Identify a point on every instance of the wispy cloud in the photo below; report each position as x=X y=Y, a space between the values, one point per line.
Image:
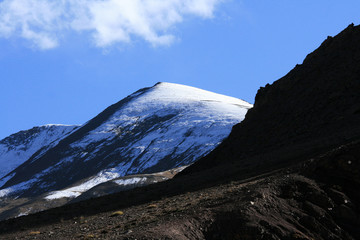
x=108 y=22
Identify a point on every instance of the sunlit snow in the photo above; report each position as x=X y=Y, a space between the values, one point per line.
x=130 y=181
x=202 y=120
x=77 y=190
x=100 y=178
x=167 y=122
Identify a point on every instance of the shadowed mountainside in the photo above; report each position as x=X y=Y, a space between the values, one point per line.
x=315 y=107
x=317 y=199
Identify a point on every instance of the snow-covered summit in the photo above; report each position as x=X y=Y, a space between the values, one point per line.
x=178 y=93
x=154 y=129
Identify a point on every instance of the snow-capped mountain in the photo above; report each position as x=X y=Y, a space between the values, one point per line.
x=152 y=130
x=19 y=147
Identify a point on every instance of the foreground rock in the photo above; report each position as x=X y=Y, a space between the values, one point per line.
x=10 y=208
x=291 y=203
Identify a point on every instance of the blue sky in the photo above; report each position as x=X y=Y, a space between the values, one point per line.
x=65 y=62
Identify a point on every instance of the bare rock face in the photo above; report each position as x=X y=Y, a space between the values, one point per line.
x=315 y=107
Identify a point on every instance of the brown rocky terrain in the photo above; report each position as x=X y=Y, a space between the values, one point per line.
x=290 y=170
x=317 y=199
x=10 y=207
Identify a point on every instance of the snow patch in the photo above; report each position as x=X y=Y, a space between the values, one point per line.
x=76 y=191
x=130 y=181
x=24 y=213
x=11 y=191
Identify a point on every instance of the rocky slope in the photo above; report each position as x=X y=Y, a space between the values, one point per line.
x=152 y=130
x=291 y=203
x=82 y=190
x=315 y=107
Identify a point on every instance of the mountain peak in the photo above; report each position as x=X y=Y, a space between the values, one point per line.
x=154 y=129
x=165 y=91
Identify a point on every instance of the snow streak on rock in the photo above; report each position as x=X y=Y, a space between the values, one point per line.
x=19 y=147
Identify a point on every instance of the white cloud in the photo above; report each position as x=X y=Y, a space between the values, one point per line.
x=108 y=22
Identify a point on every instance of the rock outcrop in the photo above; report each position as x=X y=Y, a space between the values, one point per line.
x=315 y=107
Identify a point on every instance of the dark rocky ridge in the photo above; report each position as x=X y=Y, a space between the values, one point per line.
x=315 y=107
